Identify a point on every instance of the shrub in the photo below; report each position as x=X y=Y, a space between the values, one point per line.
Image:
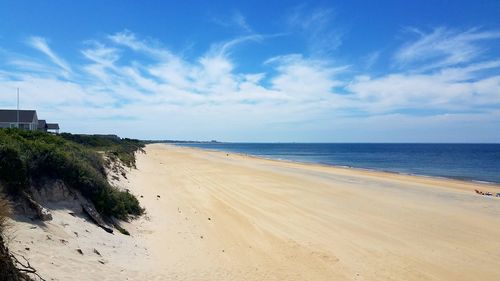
x=115 y=147
x=12 y=168
x=27 y=156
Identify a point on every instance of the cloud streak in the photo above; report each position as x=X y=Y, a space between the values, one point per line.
x=41 y=45
x=443 y=47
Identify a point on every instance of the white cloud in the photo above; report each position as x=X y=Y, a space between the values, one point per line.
x=444 y=47
x=101 y=54
x=41 y=44
x=396 y=92
x=222 y=49
x=128 y=39
x=305 y=79
x=206 y=97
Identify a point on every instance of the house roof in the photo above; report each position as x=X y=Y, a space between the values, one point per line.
x=42 y=124
x=10 y=115
x=52 y=126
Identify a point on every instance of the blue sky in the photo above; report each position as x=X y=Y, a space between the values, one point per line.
x=316 y=71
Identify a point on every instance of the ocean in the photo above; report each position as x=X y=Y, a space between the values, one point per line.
x=471 y=162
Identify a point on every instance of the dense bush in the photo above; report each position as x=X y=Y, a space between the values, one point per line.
x=27 y=156
x=12 y=168
x=115 y=147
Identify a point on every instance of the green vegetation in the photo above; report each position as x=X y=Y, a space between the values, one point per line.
x=113 y=146
x=29 y=157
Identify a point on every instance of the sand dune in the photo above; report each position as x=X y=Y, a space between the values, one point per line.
x=233 y=217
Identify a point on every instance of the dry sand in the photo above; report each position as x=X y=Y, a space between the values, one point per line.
x=233 y=217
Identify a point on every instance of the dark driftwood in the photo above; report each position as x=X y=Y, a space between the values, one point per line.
x=94 y=215
x=41 y=212
x=27 y=268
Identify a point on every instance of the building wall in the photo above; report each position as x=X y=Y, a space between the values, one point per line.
x=34 y=123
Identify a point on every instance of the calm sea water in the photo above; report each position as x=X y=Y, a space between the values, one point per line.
x=477 y=162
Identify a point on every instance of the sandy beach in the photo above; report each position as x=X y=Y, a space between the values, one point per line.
x=217 y=216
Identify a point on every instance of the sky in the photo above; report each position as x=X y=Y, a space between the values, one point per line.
x=257 y=71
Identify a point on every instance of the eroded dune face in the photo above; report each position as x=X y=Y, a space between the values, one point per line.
x=213 y=216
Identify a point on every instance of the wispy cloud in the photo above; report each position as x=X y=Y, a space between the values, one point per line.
x=235 y=20
x=241 y=21
x=41 y=44
x=223 y=48
x=443 y=47
x=317 y=25
x=371 y=59
x=128 y=39
x=101 y=54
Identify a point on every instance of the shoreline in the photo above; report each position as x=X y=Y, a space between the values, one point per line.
x=486 y=184
x=210 y=216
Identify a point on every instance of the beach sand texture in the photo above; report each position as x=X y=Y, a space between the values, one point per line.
x=234 y=217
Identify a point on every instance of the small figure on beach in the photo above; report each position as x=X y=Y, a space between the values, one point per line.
x=486 y=193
